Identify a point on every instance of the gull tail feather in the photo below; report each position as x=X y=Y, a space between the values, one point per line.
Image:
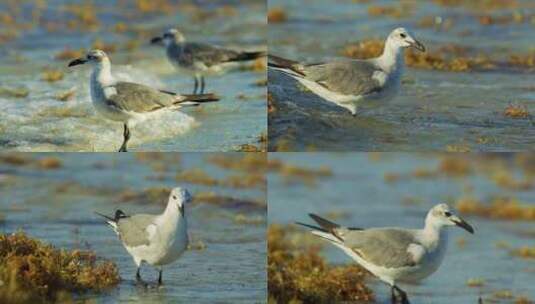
x=245 y=56
x=290 y=67
x=311 y=226
x=324 y=223
x=328 y=236
x=109 y=220
x=196 y=99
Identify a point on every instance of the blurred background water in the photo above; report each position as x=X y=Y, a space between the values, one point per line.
x=53 y=197
x=458 y=106
x=38 y=38
x=393 y=189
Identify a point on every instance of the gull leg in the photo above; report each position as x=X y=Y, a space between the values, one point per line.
x=202 y=84
x=196 y=85
x=393 y=301
x=138 y=275
x=160 y=277
x=404 y=299
x=126 y=135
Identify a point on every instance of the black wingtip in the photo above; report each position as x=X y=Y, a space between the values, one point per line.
x=324 y=223
x=105 y=216
x=311 y=227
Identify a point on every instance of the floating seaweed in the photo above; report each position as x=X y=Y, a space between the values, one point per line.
x=52 y=75
x=516 y=111
x=66 y=95
x=14 y=92
x=403 y=10
x=499 y=208
x=49 y=163
x=445 y=58
x=68 y=54
x=229 y=202
x=301 y=275
x=277 y=15
x=524 y=252
x=32 y=271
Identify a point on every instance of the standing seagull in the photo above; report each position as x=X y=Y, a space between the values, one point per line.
x=154 y=239
x=200 y=59
x=126 y=101
x=349 y=83
x=395 y=254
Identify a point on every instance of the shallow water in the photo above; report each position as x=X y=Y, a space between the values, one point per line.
x=39 y=122
x=358 y=196
x=57 y=206
x=435 y=110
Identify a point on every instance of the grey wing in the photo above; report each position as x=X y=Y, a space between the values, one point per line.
x=384 y=247
x=207 y=54
x=139 y=98
x=133 y=230
x=350 y=77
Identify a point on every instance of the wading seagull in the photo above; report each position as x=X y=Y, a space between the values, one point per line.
x=154 y=239
x=199 y=59
x=126 y=101
x=395 y=254
x=350 y=83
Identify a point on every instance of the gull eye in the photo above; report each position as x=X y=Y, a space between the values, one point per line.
x=174 y=196
x=447 y=214
x=402 y=35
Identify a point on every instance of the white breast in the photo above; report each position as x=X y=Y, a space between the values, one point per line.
x=99 y=96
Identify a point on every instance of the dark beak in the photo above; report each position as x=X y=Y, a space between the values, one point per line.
x=156 y=40
x=181 y=208
x=418 y=45
x=77 y=62
x=461 y=223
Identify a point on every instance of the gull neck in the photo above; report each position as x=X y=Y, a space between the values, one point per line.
x=102 y=72
x=392 y=57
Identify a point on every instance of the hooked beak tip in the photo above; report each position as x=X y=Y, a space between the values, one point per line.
x=418 y=45
x=461 y=223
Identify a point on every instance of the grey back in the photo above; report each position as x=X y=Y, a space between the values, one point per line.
x=349 y=77
x=190 y=52
x=139 y=98
x=133 y=230
x=383 y=246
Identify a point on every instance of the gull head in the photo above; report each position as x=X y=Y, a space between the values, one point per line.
x=94 y=57
x=442 y=215
x=170 y=36
x=402 y=38
x=180 y=197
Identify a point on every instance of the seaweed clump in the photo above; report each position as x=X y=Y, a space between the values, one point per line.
x=450 y=57
x=303 y=276
x=499 y=208
x=34 y=272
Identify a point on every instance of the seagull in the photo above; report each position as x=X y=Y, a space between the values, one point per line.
x=154 y=239
x=127 y=101
x=395 y=254
x=349 y=83
x=200 y=59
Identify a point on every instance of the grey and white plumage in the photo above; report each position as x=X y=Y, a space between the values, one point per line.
x=395 y=254
x=200 y=59
x=350 y=83
x=157 y=240
x=125 y=101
